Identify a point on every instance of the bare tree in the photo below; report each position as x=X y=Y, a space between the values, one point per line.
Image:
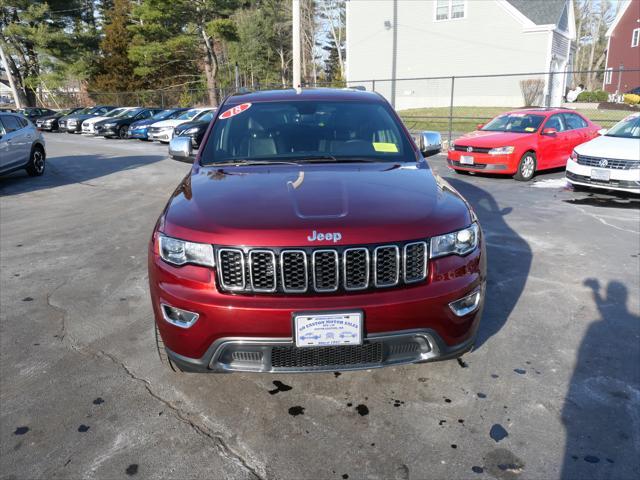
x=333 y=14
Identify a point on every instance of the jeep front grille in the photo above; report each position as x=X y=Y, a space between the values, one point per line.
x=321 y=270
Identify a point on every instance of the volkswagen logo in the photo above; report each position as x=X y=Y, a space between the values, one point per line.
x=469 y=149
x=603 y=163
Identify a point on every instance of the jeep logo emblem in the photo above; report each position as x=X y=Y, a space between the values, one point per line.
x=329 y=236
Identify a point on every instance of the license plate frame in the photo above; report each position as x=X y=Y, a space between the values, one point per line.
x=467 y=160
x=328 y=329
x=600 y=175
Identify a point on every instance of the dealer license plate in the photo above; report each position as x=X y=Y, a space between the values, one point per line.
x=466 y=160
x=600 y=175
x=320 y=330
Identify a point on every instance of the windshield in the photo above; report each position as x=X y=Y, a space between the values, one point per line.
x=129 y=113
x=188 y=115
x=164 y=114
x=83 y=111
x=514 y=123
x=115 y=112
x=307 y=130
x=207 y=117
x=627 y=128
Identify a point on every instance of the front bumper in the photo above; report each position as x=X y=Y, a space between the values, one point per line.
x=164 y=136
x=44 y=126
x=73 y=127
x=483 y=162
x=408 y=324
x=106 y=131
x=273 y=355
x=620 y=180
x=88 y=130
x=140 y=133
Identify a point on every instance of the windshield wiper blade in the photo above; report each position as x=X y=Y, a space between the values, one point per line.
x=331 y=158
x=246 y=161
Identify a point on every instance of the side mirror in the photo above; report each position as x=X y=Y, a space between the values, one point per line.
x=479 y=126
x=602 y=131
x=430 y=143
x=550 y=132
x=180 y=148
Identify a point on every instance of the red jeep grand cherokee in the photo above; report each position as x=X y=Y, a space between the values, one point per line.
x=311 y=235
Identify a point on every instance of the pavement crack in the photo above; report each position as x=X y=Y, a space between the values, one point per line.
x=62 y=333
x=220 y=443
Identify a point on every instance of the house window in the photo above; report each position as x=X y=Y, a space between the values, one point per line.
x=450 y=9
x=607 y=76
x=635 y=37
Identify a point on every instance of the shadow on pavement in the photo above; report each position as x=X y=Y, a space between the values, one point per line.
x=65 y=170
x=508 y=259
x=601 y=413
x=606 y=199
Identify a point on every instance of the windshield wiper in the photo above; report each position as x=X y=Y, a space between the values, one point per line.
x=246 y=161
x=330 y=158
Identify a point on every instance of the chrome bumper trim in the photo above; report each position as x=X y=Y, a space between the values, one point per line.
x=254 y=354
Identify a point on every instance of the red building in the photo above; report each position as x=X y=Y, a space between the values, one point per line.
x=623 y=49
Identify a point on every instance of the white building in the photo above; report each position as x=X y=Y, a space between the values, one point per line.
x=410 y=39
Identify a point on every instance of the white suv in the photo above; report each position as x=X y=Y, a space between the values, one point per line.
x=610 y=162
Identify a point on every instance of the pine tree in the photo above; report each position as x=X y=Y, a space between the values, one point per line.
x=115 y=72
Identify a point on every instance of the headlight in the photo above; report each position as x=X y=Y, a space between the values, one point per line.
x=501 y=151
x=189 y=131
x=455 y=243
x=180 y=252
x=452 y=146
x=574 y=155
x=48 y=122
x=109 y=125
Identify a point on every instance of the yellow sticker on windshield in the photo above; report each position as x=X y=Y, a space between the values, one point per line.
x=385 y=147
x=529 y=129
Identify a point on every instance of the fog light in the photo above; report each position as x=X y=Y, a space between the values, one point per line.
x=177 y=316
x=467 y=304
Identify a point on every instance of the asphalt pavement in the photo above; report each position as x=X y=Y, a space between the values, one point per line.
x=552 y=389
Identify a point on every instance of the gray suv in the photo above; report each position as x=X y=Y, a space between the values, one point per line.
x=21 y=145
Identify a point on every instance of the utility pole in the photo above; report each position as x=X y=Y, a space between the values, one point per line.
x=12 y=83
x=295 y=17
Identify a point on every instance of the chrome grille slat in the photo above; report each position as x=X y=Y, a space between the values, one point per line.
x=232 y=277
x=414 y=259
x=321 y=270
x=262 y=271
x=294 y=273
x=612 y=163
x=386 y=266
x=355 y=268
x=325 y=270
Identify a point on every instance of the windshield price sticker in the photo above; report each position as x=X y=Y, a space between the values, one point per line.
x=233 y=111
x=328 y=329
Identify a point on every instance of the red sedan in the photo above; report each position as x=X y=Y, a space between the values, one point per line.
x=522 y=142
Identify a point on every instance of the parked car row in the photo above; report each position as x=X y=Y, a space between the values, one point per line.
x=154 y=124
x=523 y=142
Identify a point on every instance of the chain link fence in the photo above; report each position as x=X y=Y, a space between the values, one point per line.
x=451 y=105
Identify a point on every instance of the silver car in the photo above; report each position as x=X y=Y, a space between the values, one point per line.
x=21 y=145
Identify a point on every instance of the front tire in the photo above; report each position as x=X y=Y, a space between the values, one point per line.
x=37 y=162
x=122 y=132
x=526 y=167
x=162 y=352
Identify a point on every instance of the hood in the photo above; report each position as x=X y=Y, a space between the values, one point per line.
x=50 y=117
x=187 y=125
x=168 y=123
x=144 y=123
x=611 y=147
x=283 y=205
x=95 y=119
x=480 y=138
x=84 y=116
